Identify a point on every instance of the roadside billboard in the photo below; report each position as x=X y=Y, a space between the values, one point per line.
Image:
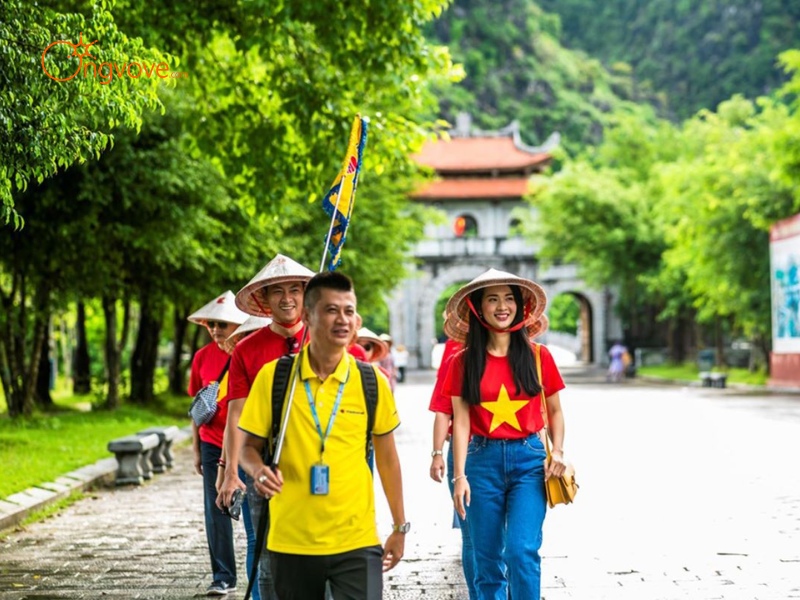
x=784 y=250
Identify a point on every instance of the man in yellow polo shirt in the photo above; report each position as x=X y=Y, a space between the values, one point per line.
x=323 y=507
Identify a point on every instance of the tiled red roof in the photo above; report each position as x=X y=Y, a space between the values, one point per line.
x=478 y=154
x=515 y=187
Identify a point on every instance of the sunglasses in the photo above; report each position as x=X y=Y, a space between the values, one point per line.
x=368 y=346
x=217 y=324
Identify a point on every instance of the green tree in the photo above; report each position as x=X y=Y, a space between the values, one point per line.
x=720 y=199
x=46 y=125
x=564 y=313
x=517 y=69
x=697 y=54
x=250 y=143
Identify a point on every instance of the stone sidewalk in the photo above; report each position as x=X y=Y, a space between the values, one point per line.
x=682 y=531
x=149 y=542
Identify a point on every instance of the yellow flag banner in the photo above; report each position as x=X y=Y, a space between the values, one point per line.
x=338 y=202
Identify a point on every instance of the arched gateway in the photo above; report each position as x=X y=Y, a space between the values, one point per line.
x=482 y=178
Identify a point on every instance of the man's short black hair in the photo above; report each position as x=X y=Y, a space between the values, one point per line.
x=330 y=280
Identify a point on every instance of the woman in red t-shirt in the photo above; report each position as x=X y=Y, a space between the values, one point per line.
x=499 y=472
x=220 y=317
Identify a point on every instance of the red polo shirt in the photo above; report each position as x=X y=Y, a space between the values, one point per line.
x=252 y=353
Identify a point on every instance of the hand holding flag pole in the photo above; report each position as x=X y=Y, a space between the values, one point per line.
x=338 y=203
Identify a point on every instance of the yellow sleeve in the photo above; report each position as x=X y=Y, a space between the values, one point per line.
x=386 y=417
x=256 y=417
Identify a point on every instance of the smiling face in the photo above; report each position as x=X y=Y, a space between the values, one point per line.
x=285 y=300
x=332 y=320
x=499 y=307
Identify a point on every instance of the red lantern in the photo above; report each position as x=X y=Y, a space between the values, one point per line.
x=460 y=226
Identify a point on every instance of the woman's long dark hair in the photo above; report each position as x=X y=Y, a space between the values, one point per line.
x=520 y=355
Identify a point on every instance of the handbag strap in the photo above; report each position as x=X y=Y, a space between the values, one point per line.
x=537 y=352
x=224 y=370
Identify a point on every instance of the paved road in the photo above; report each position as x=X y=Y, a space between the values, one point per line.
x=685 y=493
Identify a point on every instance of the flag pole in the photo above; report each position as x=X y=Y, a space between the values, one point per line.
x=296 y=371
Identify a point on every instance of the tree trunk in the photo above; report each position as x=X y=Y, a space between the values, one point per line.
x=145 y=353
x=81 y=367
x=198 y=333
x=43 y=398
x=719 y=342
x=31 y=374
x=112 y=353
x=19 y=352
x=177 y=384
x=8 y=375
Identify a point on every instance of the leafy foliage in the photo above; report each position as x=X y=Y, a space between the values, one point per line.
x=678 y=217
x=564 y=313
x=517 y=69
x=47 y=125
x=697 y=53
x=198 y=199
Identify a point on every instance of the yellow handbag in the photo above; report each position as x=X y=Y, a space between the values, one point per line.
x=560 y=490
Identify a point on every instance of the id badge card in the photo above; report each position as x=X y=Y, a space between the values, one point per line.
x=320 y=480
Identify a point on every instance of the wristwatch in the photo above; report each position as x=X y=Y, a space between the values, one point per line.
x=404 y=528
x=436 y=453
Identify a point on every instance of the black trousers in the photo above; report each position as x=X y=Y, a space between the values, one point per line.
x=354 y=575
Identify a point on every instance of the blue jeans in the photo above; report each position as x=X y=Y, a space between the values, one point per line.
x=506 y=511
x=250 y=530
x=467 y=556
x=219 y=531
x=266 y=584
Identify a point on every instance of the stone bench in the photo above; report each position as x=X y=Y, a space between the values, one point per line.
x=161 y=457
x=713 y=379
x=133 y=457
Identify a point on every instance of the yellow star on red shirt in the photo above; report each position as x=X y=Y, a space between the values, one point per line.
x=504 y=410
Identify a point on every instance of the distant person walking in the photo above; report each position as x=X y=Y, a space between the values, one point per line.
x=210 y=363
x=499 y=459
x=619 y=359
x=387 y=362
x=400 y=362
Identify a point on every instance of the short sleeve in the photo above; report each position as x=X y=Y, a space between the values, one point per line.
x=553 y=382
x=441 y=402
x=195 y=381
x=239 y=382
x=256 y=417
x=386 y=417
x=455 y=377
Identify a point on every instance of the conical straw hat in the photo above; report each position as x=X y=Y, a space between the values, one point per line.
x=221 y=308
x=251 y=298
x=534 y=301
x=380 y=349
x=251 y=324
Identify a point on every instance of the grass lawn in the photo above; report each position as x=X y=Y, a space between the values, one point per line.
x=46 y=446
x=690 y=372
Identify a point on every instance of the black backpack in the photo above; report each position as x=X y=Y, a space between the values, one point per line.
x=280 y=382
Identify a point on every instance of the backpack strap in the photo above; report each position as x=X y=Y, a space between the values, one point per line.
x=369 y=383
x=280 y=381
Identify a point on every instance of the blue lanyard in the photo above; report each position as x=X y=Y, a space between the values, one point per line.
x=332 y=418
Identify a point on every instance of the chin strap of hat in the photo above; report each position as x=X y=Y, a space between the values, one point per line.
x=286 y=325
x=264 y=311
x=516 y=327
